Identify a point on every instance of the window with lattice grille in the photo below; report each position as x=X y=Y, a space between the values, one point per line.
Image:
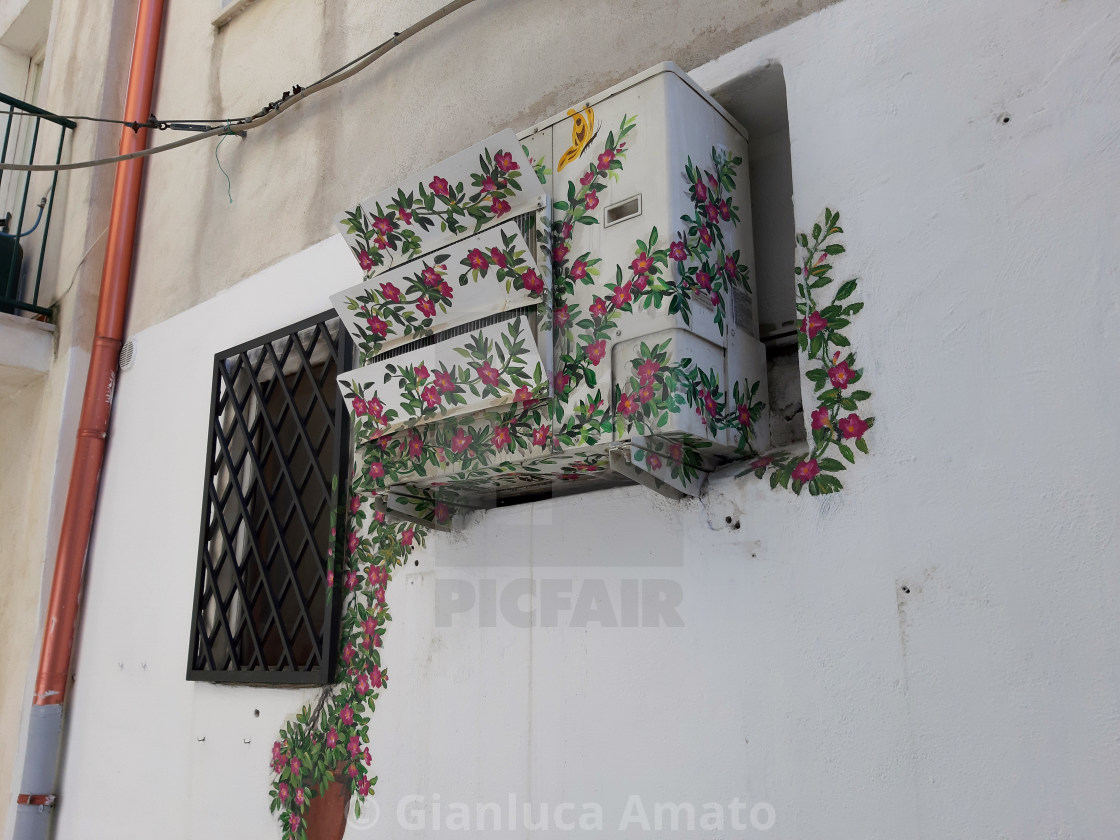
x=276 y=476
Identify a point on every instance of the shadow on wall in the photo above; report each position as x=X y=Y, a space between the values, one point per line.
x=758 y=101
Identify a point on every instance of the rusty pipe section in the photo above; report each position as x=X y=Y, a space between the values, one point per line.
x=42 y=762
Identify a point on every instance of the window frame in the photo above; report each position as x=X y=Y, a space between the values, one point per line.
x=327 y=634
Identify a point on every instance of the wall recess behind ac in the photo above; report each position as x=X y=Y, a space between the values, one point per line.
x=758 y=100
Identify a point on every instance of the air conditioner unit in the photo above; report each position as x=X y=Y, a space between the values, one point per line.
x=559 y=311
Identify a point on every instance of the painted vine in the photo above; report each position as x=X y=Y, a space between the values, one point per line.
x=837 y=423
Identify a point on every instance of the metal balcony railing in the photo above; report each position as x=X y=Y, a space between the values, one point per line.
x=31 y=135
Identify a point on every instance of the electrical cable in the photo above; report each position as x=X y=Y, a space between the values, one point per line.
x=266 y=114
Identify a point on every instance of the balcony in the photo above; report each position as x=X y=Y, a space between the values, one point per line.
x=27 y=199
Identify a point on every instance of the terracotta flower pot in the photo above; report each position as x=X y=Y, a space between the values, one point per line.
x=325 y=817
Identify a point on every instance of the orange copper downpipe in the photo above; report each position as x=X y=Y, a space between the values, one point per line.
x=93 y=425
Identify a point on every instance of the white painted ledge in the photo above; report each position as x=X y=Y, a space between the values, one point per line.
x=26 y=349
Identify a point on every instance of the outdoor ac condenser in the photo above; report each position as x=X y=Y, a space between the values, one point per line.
x=559 y=311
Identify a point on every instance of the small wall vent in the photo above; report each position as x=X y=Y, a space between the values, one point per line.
x=125 y=360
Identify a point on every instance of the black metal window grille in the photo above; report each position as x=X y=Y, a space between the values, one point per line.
x=277 y=468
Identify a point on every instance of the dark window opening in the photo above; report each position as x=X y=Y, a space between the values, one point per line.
x=277 y=468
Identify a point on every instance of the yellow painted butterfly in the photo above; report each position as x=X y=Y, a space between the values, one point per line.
x=583 y=132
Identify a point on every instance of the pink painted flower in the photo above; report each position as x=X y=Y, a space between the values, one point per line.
x=645 y=394
x=559 y=252
x=438 y=185
x=369 y=626
x=712 y=212
x=621 y=296
x=533 y=282
x=641 y=264
x=421 y=372
x=377 y=326
x=724 y=211
x=478 y=260
x=294 y=823
x=605 y=160
x=299 y=798
x=296 y=768
x=647 y=370
x=415 y=446
x=588 y=176
x=382 y=224
x=628 y=403
x=376 y=677
x=390 y=292
x=355 y=503
x=841 y=375
x=540 y=435
x=561 y=380
x=705 y=235
x=501 y=438
x=488 y=374
x=405 y=216
x=760 y=463
x=359 y=407
x=806 y=470
x=591 y=200
x=363 y=787
x=346 y=715
x=504 y=161
x=561 y=315
x=731 y=268
x=330 y=574
x=853 y=426
x=350 y=581
x=488 y=185
x=744 y=412
x=566 y=231
x=578 y=270
x=441 y=512
x=379 y=517
x=406 y=537
x=821 y=419
x=598 y=308
x=443 y=380
x=375 y=408
x=640 y=282
x=377 y=470
x=446 y=290
x=522 y=394
x=426 y=307
x=701 y=192
x=348 y=653
x=365 y=260
x=596 y=350
x=285 y=791
x=704 y=280
x=499 y=207
x=460 y=441
x=653 y=462
x=362 y=685
x=354 y=745
x=498 y=257
x=813 y=324
x=352 y=540
x=678 y=251
x=332 y=738
x=431 y=397
x=353 y=771
x=676 y=453
x=431 y=276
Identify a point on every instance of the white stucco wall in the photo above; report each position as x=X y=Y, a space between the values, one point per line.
x=933 y=653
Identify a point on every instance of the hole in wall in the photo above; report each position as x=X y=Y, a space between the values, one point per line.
x=758 y=100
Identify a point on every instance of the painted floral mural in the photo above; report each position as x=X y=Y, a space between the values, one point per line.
x=420 y=453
